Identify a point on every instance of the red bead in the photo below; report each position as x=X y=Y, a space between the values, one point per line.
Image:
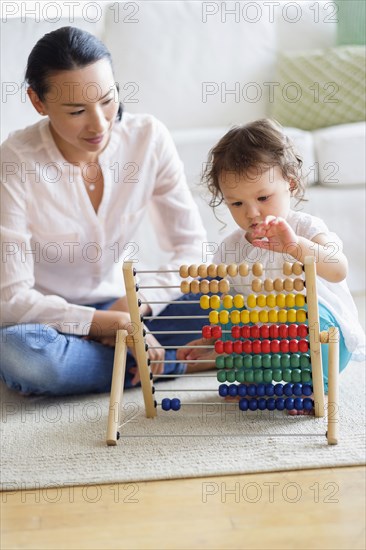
x=228 y=346
x=273 y=331
x=266 y=346
x=256 y=346
x=235 y=332
x=282 y=331
x=292 y=331
x=275 y=346
x=245 y=331
x=293 y=346
x=238 y=346
x=303 y=346
x=216 y=331
x=302 y=331
x=219 y=346
x=206 y=331
x=254 y=331
x=264 y=330
x=247 y=346
x=284 y=346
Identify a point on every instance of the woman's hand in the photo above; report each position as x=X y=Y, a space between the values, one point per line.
x=185 y=355
x=274 y=234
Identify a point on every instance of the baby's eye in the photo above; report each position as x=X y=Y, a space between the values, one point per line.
x=236 y=204
x=263 y=199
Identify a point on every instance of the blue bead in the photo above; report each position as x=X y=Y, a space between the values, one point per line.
x=308 y=404
x=269 y=390
x=253 y=405
x=165 y=404
x=287 y=389
x=289 y=403
x=297 y=389
x=307 y=389
x=252 y=390
x=233 y=390
x=261 y=390
x=271 y=404
x=262 y=404
x=298 y=404
x=280 y=404
x=175 y=404
x=243 y=404
x=223 y=390
x=242 y=390
x=278 y=389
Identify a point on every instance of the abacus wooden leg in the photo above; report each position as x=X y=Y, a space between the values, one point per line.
x=333 y=388
x=118 y=376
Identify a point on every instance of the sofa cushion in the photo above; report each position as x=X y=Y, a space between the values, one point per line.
x=320 y=88
x=340 y=154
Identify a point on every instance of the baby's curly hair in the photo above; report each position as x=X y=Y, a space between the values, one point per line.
x=258 y=145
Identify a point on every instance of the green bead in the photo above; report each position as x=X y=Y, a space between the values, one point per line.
x=238 y=361
x=285 y=361
x=229 y=362
x=304 y=360
x=277 y=375
x=267 y=375
x=258 y=376
x=306 y=376
x=249 y=375
x=230 y=376
x=257 y=361
x=286 y=375
x=266 y=361
x=276 y=361
x=221 y=376
x=240 y=376
x=296 y=375
x=220 y=362
x=248 y=360
x=295 y=361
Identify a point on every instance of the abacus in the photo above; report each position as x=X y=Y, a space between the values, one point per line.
x=270 y=359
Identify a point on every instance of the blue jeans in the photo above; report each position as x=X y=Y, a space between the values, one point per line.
x=37 y=359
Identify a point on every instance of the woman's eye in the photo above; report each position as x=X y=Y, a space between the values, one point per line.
x=77 y=112
x=108 y=101
x=262 y=199
x=238 y=203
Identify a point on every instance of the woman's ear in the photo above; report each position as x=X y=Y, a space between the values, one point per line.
x=36 y=102
x=292 y=187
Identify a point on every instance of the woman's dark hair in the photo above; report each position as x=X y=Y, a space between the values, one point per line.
x=257 y=146
x=64 y=49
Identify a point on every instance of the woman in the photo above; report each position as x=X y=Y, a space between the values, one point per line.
x=75 y=188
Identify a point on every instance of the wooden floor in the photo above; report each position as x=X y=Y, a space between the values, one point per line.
x=281 y=510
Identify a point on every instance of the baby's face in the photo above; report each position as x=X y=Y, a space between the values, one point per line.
x=253 y=196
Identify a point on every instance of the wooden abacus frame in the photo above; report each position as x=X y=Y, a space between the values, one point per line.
x=316 y=338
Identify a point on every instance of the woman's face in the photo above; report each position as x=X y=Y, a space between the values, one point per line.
x=82 y=106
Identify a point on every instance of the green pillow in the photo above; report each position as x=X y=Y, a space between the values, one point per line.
x=351 y=22
x=319 y=88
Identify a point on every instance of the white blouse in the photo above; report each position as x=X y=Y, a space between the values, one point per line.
x=58 y=254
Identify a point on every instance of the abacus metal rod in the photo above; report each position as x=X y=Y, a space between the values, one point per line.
x=180 y=347
x=180 y=390
x=150 y=317
x=173 y=302
x=177 y=270
x=233 y=285
x=157 y=376
x=181 y=332
x=175 y=361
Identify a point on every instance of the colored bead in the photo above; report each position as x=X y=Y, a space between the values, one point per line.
x=307 y=389
x=202 y=271
x=256 y=285
x=291 y=316
x=220 y=362
x=292 y=331
x=193 y=270
x=261 y=390
x=224 y=286
x=224 y=317
x=266 y=361
x=278 y=285
x=248 y=360
x=233 y=390
x=264 y=331
x=286 y=375
x=215 y=302
x=249 y=375
x=272 y=316
x=254 y=317
x=266 y=346
x=297 y=389
x=295 y=361
x=228 y=346
x=304 y=360
x=256 y=346
x=232 y=270
x=261 y=300
x=251 y=301
x=258 y=376
x=235 y=317
x=240 y=377
x=204 y=286
x=271 y=404
x=308 y=404
x=303 y=345
x=214 y=286
x=223 y=390
x=287 y=268
x=297 y=268
x=301 y=316
x=298 y=285
x=238 y=301
x=298 y=404
x=287 y=389
x=280 y=404
x=205 y=302
x=253 y=404
x=254 y=331
x=262 y=404
x=267 y=375
x=290 y=300
x=302 y=331
x=288 y=285
x=282 y=331
x=221 y=376
x=195 y=286
x=185 y=287
x=296 y=375
x=245 y=332
x=183 y=271
x=165 y=404
x=247 y=346
x=228 y=301
x=278 y=389
x=212 y=270
x=306 y=376
x=289 y=403
x=213 y=317
x=263 y=316
x=257 y=269
x=243 y=404
x=276 y=361
x=257 y=361
x=238 y=362
x=216 y=331
x=175 y=404
x=221 y=270
x=230 y=376
x=206 y=331
x=252 y=390
x=235 y=332
x=282 y=316
x=238 y=346
x=284 y=346
x=244 y=316
x=275 y=346
x=229 y=362
x=293 y=346
x=242 y=390
x=274 y=331
x=280 y=300
x=243 y=269
x=268 y=285
x=269 y=389
x=219 y=346
x=285 y=360
x=271 y=300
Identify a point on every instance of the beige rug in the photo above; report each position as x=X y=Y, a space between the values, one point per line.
x=61 y=441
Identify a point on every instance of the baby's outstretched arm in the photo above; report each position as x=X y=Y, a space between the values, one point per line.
x=277 y=235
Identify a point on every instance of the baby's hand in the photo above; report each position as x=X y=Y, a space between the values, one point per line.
x=274 y=234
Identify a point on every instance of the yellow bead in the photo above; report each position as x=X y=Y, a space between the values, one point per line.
x=282 y=316
x=272 y=316
x=301 y=316
x=290 y=300
x=291 y=315
x=224 y=317
x=235 y=317
x=213 y=317
x=254 y=317
x=251 y=301
x=215 y=302
x=205 y=302
x=271 y=300
x=299 y=300
x=261 y=300
x=239 y=301
x=244 y=317
x=281 y=300
x=228 y=301
x=263 y=316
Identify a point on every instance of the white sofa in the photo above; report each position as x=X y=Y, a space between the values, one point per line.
x=201 y=67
